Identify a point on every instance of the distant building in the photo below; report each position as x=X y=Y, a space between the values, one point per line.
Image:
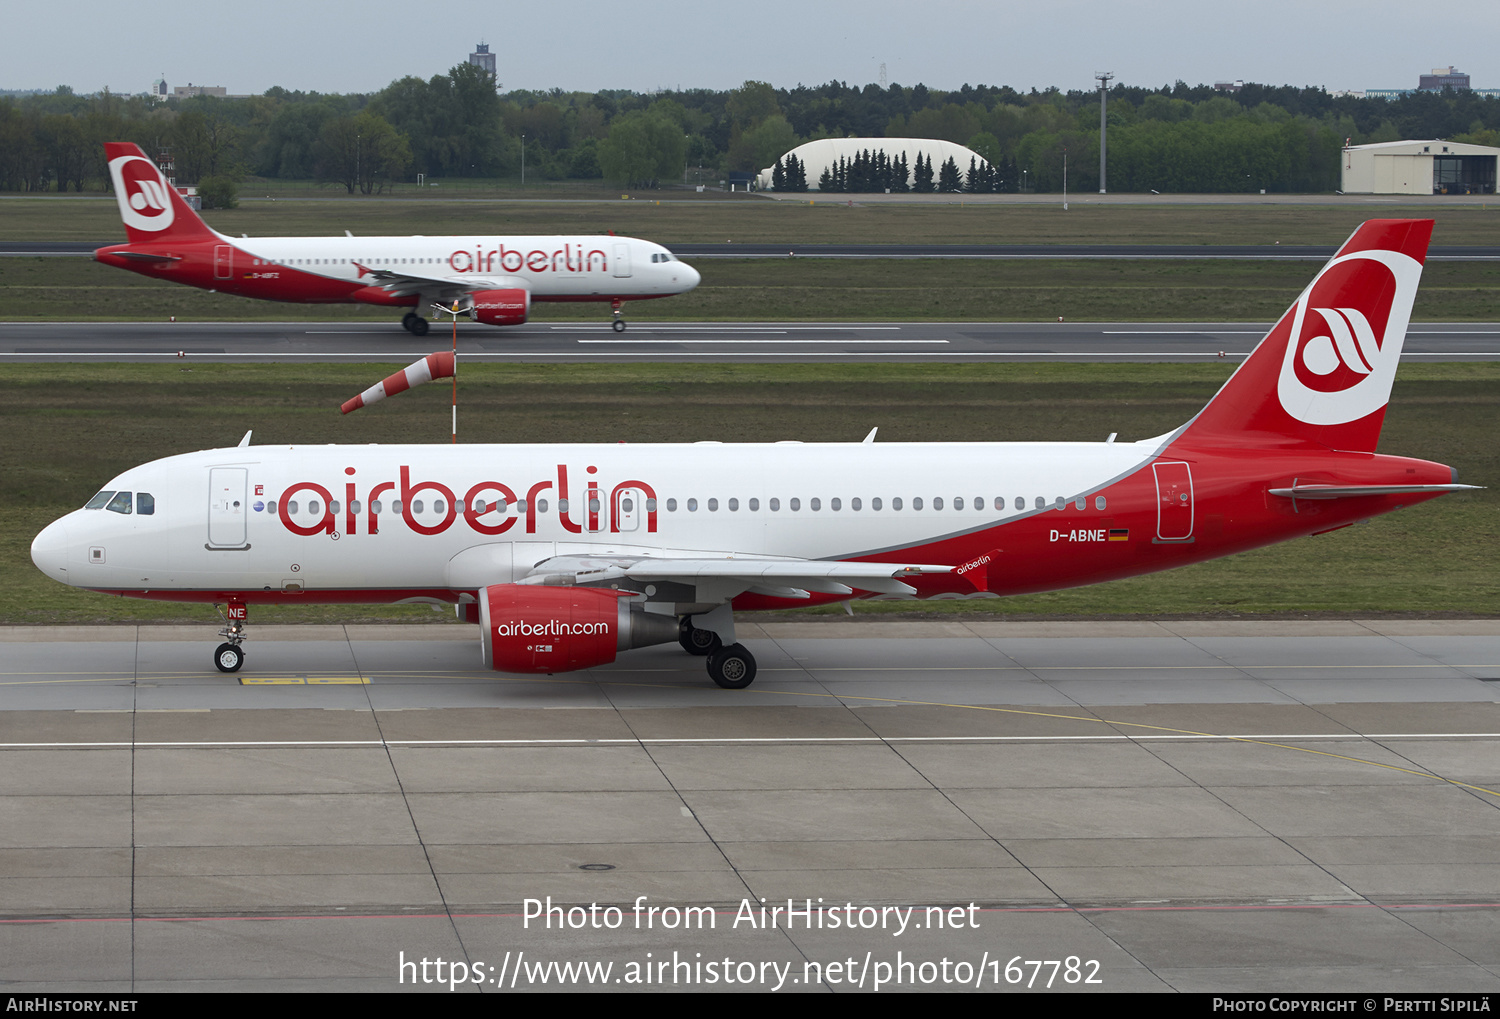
x=159 y=90
x=1426 y=167
x=185 y=91
x=824 y=153
x=1441 y=78
x=483 y=59
x=1229 y=86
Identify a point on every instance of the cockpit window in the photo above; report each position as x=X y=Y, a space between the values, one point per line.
x=145 y=503
x=98 y=501
x=120 y=503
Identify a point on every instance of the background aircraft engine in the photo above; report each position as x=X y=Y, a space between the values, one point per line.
x=507 y=307
x=560 y=629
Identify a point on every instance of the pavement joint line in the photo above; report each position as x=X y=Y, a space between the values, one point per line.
x=854 y=668
x=631 y=741
x=727 y=910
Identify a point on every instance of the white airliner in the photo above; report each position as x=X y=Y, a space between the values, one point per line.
x=567 y=554
x=492 y=279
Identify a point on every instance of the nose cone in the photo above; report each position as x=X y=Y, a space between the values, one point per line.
x=687 y=277
x=49 y=550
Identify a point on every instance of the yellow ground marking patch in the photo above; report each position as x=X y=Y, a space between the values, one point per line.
x=303 y=681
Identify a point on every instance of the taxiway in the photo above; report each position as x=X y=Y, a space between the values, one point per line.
x=1204 y=806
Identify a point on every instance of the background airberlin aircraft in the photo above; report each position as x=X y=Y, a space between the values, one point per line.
x=567 y=554
x=494 y=279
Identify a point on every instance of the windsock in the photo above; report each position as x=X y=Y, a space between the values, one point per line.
x=433 y=366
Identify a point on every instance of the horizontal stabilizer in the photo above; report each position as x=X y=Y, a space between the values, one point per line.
x=145 y=256
x=1355 y=491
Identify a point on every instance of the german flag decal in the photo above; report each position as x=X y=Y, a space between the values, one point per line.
x=1119 y=534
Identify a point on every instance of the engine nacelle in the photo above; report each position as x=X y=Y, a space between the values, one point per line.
x=528 y=628
x=507 y=307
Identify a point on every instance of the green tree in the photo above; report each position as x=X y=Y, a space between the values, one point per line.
x=644 y=147
x=218 y=193
x=363 y=152
x=949 y=177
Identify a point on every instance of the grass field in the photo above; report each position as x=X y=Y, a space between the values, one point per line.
x=67 y=429
x=843 y=290
x=682 y=217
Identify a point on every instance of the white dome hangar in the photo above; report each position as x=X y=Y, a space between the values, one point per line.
x=825 y=153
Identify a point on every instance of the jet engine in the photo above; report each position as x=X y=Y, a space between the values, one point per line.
x=507 y=307
x=530 y=628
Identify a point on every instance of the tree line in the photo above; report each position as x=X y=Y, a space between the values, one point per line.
x=456 y=125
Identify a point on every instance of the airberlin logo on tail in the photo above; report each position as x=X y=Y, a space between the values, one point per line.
x=145 y=202
x=1347 y=331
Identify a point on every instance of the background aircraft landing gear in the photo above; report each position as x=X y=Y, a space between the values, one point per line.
x=414 y=324
x=618 y=325
x=732 y=667
x=228 y=656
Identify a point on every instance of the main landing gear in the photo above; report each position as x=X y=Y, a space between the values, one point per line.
x=731 y=667
x=414 y=323
x=228 y=657
x=618 y=325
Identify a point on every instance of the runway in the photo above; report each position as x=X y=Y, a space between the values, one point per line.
x=1199 y=806
x=693 y=249
x=693 y=341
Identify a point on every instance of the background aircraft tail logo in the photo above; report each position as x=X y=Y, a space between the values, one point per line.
x=144 y=198
x=1347 y=332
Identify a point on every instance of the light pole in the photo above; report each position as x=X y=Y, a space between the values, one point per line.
x=523 y=159
x=1104 y=77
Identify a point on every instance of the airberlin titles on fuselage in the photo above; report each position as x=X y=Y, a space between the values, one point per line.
x=572 y=258
x=482 y=499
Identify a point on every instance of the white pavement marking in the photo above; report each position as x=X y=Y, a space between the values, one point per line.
x=742 y=341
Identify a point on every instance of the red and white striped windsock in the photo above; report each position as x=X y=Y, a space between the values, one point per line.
x=433 y=366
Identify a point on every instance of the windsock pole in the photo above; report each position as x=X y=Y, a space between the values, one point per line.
x=455 y=373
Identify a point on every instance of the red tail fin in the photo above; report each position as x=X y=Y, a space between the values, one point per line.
x=1323 y=374
x=152 y=209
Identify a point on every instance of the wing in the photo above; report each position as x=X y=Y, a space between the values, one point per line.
x=406 y=283
x=714 y=581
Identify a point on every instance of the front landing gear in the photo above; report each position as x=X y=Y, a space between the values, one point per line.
x=618 y=325
x=228 y=657
x=414 y=323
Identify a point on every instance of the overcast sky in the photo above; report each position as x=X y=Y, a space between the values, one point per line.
x=590 y=45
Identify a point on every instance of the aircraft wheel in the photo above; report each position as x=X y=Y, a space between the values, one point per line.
x=733 y=667
x=618 y=325
x=418 y=326
x=697 y=642
x=229 y=658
